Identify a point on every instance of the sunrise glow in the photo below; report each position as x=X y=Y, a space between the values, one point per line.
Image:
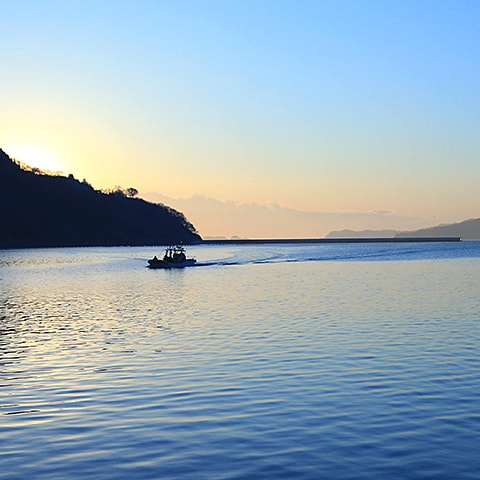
x=36 y=156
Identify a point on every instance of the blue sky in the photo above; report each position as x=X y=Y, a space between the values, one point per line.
x=336 y=107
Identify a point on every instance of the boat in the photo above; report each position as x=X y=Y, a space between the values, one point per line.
x=175 y=257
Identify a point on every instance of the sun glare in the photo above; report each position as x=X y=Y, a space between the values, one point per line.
x=35 y=156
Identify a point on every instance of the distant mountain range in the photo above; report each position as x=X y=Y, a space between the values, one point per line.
x=468 y=230
x=41 y=210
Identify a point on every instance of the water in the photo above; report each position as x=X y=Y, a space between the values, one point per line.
x=265 y=361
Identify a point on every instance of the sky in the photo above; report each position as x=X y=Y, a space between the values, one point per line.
x=254 y=118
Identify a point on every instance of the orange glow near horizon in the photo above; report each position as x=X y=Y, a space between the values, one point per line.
x=35 y=156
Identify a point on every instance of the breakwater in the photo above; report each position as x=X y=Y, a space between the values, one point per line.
x=245 y=241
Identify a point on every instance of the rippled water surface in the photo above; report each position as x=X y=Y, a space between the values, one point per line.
x=265 y=361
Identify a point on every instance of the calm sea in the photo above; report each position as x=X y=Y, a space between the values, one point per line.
x=264 y=362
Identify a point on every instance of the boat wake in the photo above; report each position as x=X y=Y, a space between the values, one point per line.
x=219 y=256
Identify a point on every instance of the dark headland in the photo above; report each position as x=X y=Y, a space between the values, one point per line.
x=43 y=210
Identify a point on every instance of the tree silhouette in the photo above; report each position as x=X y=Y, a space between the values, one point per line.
x=131 y=192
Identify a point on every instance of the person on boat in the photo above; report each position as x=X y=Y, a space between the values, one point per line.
x=179 y=256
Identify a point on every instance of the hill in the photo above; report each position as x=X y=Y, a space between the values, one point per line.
x=468 y=230
x=40 y=210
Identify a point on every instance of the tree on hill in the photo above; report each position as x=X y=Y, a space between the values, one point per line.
x=132 y=192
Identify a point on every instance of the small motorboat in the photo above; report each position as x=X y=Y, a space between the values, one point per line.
x=175 y=257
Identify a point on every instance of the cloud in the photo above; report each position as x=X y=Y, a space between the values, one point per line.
x=216 y=218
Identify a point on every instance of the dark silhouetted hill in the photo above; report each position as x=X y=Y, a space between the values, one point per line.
x=40 y=210
x=468 y=230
